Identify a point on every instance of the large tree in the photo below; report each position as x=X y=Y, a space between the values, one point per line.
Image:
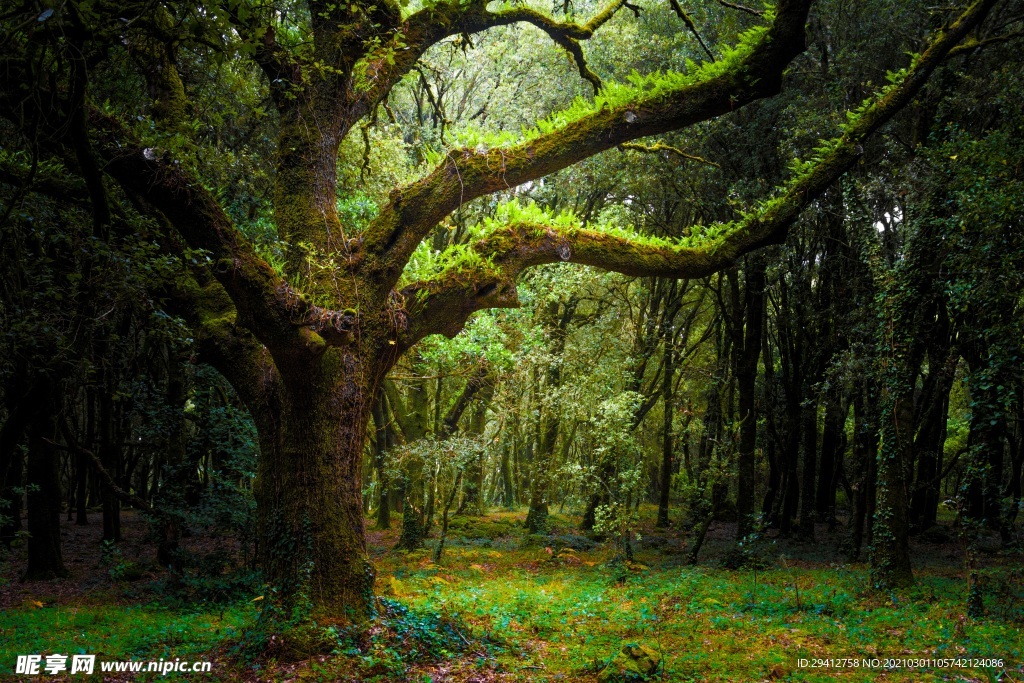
x=308 y=341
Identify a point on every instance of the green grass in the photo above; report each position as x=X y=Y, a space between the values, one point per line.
x=117 y=632
x=569 y=613
x=529 y=611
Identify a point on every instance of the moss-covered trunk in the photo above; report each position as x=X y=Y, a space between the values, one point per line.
x=309 y=502
x=890 y=557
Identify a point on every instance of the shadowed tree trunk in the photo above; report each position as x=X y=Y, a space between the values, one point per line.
x=746 y=379
x=831 y=443
x=931 y=437
x=12 y=466
x=537 y=517
x=380 y=446
x=865 y=447
x=44 y=553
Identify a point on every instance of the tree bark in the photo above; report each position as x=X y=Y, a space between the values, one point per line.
x=668 y=374
x=44 y=552
x=890 y=558
x=746 y=379
x=308 y=496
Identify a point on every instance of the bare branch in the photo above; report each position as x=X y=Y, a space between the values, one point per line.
x=748 y=10
x=658 y=148
x=678 y=9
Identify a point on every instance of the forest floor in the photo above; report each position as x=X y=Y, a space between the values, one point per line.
x=501 y=606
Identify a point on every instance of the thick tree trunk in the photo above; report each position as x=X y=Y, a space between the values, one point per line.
x=309 y=502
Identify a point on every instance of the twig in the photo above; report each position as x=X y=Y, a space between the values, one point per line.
x=678 y=9
x=748 y=10
x=659 y=147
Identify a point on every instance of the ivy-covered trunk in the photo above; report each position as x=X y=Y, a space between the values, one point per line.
x=890 y=555
x=309 y=502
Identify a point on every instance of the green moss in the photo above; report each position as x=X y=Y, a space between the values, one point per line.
x=638 y=90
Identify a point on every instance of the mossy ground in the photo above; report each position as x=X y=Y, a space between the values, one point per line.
x=503 y=607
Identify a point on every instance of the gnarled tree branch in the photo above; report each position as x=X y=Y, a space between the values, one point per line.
x=441 y=306
x=429 y=26
x=466 y=174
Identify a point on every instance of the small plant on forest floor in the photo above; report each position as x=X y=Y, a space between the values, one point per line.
x=121 y=568
x=752 y=552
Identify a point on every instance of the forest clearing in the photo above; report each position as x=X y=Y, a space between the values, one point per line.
x=503 y=606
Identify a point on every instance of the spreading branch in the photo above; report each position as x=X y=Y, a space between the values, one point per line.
x=972 y=45
x=442 y=305
x=429 y=26
x=266 y=303
x=466 y=174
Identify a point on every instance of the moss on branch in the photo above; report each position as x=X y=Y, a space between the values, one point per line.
x=530 y=237
x=647 y=105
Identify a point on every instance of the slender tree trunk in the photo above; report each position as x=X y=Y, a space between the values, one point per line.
x=413 y=419
x=1016 y=443
x=379 y=447
x=809 y=450
x=44 y=553
x=667 y=377
x=746 y=378
x=12 y=465
x=536 y=518
x=791 y=483
x=865 y=440
x=110 y=454
x=507 y=483
x=987 y=435
x=831 y=442
x=928 y=445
